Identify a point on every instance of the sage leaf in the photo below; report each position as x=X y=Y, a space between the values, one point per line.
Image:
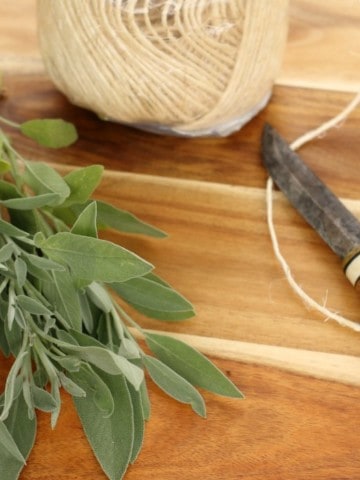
x=139 y=422
x=117 y=219
x=43 y=263
x=32 y=305
x=31 y=203
x=21 y=427
x=69 y=363
x=8 y=190
x=10 y=385
x=50 y=133
x=90 y=380
x=100 y=297
x=113 y=364
x=55 y=392
x=61 y=293
x=82 y=183
x=111 y=438
x=86 y=222
x=14 y=337
x=24 y=220
x=6 y=252
x=174 y=385
x=92 y=258
x=154 y=299
x=44 y=179
x=20 y=271
x=107 y=360
x=70 y=386
x=43 y=400
x=145 y=401
x=191 y=365
x=4 y=166
x=7 y=228
x=4 y=344
x=11 y=459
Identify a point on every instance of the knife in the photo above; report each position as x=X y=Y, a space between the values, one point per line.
x=335 y=224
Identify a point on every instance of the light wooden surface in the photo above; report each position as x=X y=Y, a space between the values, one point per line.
x=300 y=373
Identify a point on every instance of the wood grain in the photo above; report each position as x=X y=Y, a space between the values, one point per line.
x=324 y=45
x=208 y=194
x=288 y=427
x=234 y=160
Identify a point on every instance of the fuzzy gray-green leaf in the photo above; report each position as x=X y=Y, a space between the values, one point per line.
x=154 y=299
x=82 y=182
x=7 y=228
x=191 y=364
x=50 y=133
x=174 y=385
x=62 y=294
x=11 y=459
x=43 y=400
x=92 y=258
x=86 y=222
x=112 y=217
x=44 y=179
x=21 y=427
x=32 y=305
x=30 y=203
x=110 y=438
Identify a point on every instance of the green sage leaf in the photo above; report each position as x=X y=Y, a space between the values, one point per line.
x=43 y=262
x=6 y=252
x=82 y=183
x=62 y=294
x=70 y=386
x=11 y=459
x=139 y=423
x=100 y=297
x=92 y=258
x=21 y=427
x=20 y=271
x=174 y=385
x=10 y=385
x=89 y=379
x=43 y=400
x=50 y=133
x=31 y=203
x=32 y=305
x=8 y=190
x=110 y=438
x=7 y=228
x=86 y=222
x=102 y=358
x=44 y=179
x=4 y=166
x=145 y=401
x=117 y=219
x=191 y=365
x=154 y=299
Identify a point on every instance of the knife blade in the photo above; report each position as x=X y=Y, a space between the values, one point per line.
x=318 y=205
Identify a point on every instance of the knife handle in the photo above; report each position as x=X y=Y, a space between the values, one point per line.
x=351 y=266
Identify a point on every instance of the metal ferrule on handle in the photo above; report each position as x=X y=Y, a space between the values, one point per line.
x=351 y=266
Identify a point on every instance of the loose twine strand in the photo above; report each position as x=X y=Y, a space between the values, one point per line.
x=307 y=137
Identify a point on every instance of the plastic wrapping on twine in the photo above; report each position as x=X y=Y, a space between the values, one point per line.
x=184 y=67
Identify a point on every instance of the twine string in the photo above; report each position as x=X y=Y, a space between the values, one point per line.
x=190 y=65
x=308 y=300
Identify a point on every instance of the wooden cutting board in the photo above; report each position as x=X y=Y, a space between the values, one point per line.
x=300 y=374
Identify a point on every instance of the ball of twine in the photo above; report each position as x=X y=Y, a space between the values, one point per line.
x=187 y=65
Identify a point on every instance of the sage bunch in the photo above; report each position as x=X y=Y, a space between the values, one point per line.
x=61 y=322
